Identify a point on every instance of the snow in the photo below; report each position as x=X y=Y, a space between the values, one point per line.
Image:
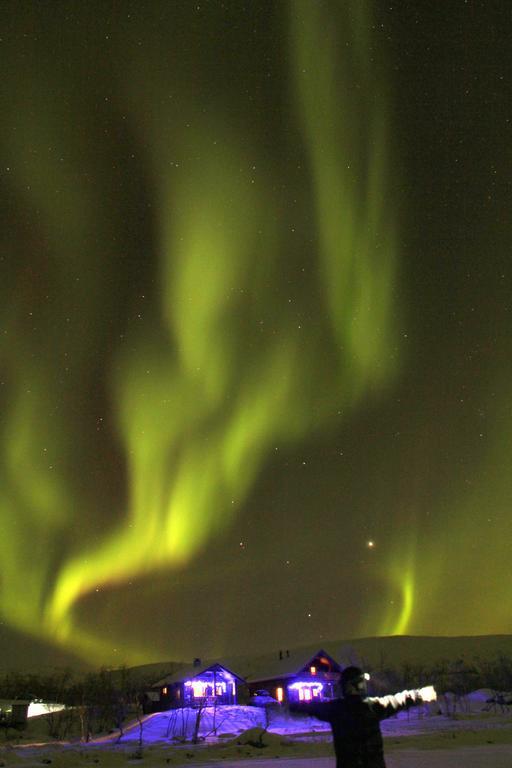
x=180 y=723
x=36 y=708
x=221 y=721
x=230 y=736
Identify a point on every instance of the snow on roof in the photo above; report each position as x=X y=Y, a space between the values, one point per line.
x=193 y=670
x=254 y=669
x=271 y=666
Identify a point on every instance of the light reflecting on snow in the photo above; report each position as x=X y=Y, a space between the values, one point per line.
x=37 y=708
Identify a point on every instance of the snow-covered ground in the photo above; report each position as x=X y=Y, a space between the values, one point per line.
x=180 y=724
x=233 y=737
x=37 y=708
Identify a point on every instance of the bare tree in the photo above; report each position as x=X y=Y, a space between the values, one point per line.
x=198 y=717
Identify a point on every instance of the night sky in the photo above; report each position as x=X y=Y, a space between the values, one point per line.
x=255 y=323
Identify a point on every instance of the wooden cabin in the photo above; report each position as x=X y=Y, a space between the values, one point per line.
x=198 y=685
x=295 y=676
x=13 y=713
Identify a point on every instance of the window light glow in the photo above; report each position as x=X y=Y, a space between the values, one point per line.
x=279 y=694
x=199 y=688
x=312 y=670
x=306 y=690
x=202 y=688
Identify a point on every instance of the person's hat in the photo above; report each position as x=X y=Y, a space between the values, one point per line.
x=355 y=677
x=351 y=675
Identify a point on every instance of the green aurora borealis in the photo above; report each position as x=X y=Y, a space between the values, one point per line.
x=255 y=313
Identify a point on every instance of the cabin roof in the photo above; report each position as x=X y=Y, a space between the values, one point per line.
x=194 y=670
x=270 y=666
x=259 y=668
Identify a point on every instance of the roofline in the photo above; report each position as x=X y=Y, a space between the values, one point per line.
x=187 y=676
x=282 y=676
x=248 y=680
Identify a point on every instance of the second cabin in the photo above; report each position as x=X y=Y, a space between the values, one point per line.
x=295 y=676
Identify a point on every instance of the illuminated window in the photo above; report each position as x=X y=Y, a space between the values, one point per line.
x=312 y=670
x=204 y=688
x=306 y=690
x=164 y=691
x=279 y=694
x=198 y=688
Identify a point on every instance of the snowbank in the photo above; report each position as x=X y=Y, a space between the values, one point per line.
x=180 y=724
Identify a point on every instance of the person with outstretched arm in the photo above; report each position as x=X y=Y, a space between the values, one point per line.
x=355 y=718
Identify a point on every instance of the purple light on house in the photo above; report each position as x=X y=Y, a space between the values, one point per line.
x=306 y=689
x=305 y=684
x=206 y=686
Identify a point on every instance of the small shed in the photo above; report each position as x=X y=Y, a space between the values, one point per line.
x=13 y=713
x=200 y=684
x=295 y=676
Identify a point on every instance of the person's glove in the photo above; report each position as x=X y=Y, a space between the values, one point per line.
x=428 y=693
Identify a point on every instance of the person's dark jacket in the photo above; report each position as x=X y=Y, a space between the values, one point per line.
x=355 y=724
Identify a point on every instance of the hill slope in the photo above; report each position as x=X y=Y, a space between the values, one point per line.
x=375 y=652
x=30 y=655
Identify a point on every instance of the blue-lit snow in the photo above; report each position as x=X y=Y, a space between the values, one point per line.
x=217 y=722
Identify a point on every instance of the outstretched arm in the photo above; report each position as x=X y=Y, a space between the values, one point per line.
x=323 y=710
x=387 y=706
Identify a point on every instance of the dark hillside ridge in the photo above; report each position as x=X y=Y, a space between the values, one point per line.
x=20 y=653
